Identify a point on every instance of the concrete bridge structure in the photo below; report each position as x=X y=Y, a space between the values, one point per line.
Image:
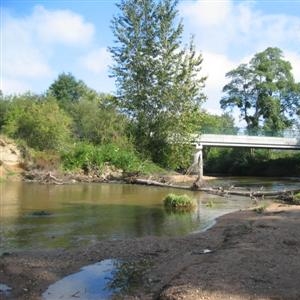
x=290 y=142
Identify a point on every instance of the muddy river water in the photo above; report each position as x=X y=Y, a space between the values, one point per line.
x=48 y=216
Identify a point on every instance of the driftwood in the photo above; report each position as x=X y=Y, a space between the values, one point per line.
x=217 y=190
x=49 y=178
x=155 y=183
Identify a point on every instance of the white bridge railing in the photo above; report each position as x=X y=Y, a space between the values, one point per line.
x=247 y=141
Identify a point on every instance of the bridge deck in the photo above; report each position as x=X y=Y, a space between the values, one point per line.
x=217 y=140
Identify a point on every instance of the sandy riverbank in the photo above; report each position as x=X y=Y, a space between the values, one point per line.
x=254 y=256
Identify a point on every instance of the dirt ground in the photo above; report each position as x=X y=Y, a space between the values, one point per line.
x=253 y=256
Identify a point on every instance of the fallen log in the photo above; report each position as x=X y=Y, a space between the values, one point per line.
x=215 y=190
x=155 y=183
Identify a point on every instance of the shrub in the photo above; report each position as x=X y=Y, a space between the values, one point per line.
x=296 y=199
x=39 y=122
x=180 y=202
x=260 y=209
x=89 y=157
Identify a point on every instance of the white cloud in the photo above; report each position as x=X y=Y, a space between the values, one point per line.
x=238 y=28
x=20 y=56
x=12 y=86
x=204 y=13
x=96 y=61
x=294 y=59
x=229 y=33
x=61 y=26
x=215 y=66
x=32 y=44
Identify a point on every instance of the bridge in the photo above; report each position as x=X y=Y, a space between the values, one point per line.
x=215 y=140
x=288 y=140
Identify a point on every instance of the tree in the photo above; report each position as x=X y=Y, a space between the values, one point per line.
x=97 y=121
x=5 y=102
x=158 y=82
x=67 y=90
x=264 y=91
x=215 y=124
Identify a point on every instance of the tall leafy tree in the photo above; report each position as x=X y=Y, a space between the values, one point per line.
x=158 y=81
x=67 y=90
x=265 y=92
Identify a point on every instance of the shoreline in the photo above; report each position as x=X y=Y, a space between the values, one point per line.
x=253 y=256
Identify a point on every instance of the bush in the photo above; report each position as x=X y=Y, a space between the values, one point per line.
x=296 y=199
x=179 y=202
x=39 y=122
x=89 y=157
x=99 y=122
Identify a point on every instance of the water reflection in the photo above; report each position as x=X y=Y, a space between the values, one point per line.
x=91 y=283
x=4 y=289
x=110 y=277
x=84 y=213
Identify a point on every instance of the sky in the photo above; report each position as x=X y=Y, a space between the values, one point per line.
x=42 y=39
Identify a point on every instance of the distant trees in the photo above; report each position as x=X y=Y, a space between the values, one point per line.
x=215 y=124
x=158 y=82
x=264 y=91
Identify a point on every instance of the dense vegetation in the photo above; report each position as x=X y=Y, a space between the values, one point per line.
x=252 y=162
x=83 y=133
x=92 y=133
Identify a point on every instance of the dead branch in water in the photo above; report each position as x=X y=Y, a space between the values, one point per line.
x=155 y=183
x=216 y=190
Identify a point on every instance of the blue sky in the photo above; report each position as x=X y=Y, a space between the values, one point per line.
x=41 y=39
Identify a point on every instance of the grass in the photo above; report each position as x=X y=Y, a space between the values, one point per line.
x=210 y=204
x=260 y=209
x=296 y=199
x=179 y=202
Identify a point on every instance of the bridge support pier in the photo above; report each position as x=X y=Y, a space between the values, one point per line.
x=199 y=161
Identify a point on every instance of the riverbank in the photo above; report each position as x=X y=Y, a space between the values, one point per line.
x=252 y=256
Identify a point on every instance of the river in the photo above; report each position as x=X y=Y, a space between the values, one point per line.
x=36 y=216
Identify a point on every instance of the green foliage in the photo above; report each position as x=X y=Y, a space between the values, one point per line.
x=260 y=209
x=217 y=124
x=5 y=103
x=66 y=89
x=296 y=199
x=88 y=157
x=179 y=202
x=158 y=82
x=97 y=121
x=251 y=162
x=38 y=121
x=45 y=160
x=264 y=91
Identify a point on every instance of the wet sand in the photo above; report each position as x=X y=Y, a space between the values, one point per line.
x=253 y=256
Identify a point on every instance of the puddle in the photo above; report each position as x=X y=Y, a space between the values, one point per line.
x=91 y=283
x=4 y=289
x=99 y=281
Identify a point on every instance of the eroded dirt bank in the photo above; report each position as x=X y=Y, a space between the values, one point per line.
x=254 y=256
